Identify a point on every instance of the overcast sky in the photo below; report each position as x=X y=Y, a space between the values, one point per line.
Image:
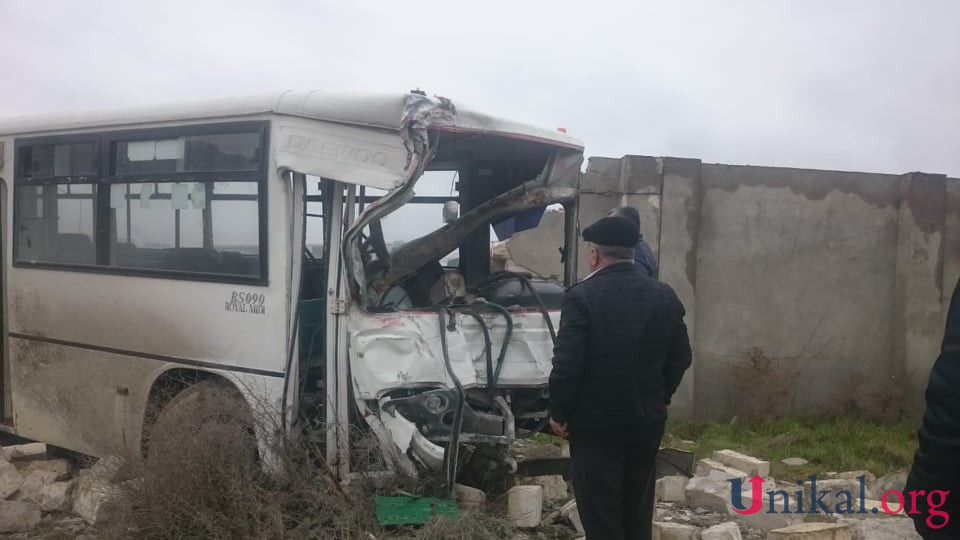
x=870 y=85
x=866 y=85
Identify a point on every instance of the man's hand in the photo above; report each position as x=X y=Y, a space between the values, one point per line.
x=560 y=430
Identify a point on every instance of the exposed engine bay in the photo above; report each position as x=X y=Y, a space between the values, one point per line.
x=449 y=365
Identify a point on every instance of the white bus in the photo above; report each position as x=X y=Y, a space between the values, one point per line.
x=240 y=244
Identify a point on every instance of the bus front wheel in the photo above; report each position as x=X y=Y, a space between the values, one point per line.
x=208 y=419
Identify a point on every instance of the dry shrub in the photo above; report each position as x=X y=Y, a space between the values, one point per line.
x=469 y=526
x=202 y=478
x=763 y=387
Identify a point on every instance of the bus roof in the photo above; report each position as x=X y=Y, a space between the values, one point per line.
x=384 y=111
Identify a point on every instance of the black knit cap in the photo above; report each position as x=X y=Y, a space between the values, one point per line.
x=613 y=231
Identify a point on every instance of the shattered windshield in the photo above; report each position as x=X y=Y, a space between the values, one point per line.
x=437 y=246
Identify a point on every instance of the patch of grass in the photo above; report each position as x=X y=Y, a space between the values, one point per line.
x=545 y=438
x=829 y=444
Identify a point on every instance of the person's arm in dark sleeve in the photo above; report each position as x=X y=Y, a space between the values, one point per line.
x=679 y=357
x=568 y=357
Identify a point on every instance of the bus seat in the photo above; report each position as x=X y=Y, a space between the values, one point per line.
x=194 y=260
x=234 y=262
x=127 y=254
x=74 y=248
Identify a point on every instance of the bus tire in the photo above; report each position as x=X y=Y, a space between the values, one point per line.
x=210 y=416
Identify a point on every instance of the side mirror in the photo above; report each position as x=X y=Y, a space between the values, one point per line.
x=451 y=211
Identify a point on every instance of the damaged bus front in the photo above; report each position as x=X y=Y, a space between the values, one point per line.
x=445 y=362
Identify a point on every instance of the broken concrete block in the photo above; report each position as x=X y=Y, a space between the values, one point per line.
x=672 y=489
x=524 y=506
x=854 y=475
x=49 y=496
x=718 y=471
x=95 y=500
x=554 y=487
x=104 y=469
x=724 y=531
x=869 y=478
x=869 y=504
x=834 y=488
x=32 y=486
x=530 y=451
x=18 y=516
x=765 y=520
x=812 y=531
x=571 y=514
x=469 y=499
x=674 y=531
x=750 y=465
x=25 y=451
x=54 y=497
x=893 y=481
x=709 y=493
x=881 y=529
x=10 y=480
x=794 y=462
x=59 y=467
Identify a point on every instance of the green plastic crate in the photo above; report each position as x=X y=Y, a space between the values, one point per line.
x=410 y=510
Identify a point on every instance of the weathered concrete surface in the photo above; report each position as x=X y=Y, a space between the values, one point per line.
x=470 y=499
x=18 y=516
x=881 y=529
x=703 y=492
x=748 y=464
x=672 y=489
x=674 y=531
x=554 y=487
x=724 y=531
x=572 y=514
x=793 y=263
x=918 y=290
x=677 y=255
x=525 y=506
x=835 y=277
x=812 y=531
x=718 y=471
x=10 y=479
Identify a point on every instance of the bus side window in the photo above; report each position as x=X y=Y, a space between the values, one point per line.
x=315 y=260
x=55 y=224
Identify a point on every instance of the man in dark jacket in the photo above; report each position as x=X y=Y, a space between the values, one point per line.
x=643 y=256
x=621 y=351
x=935 y=477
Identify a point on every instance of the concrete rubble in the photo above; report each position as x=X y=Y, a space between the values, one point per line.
x=30 y=485
x=674 y=531
x=881 y=529
x=38 y=489
x=708 y=493
x=96 y=496
x=569 y=512
x=672 y=488
x=724 y=531
x=750 y=465
x=18 y=516
x=812 y=531
x=718 y=471
x=554 y=487
x=525 y=506
x=470 y=499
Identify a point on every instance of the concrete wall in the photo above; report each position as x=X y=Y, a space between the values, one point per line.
x=813 y=291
